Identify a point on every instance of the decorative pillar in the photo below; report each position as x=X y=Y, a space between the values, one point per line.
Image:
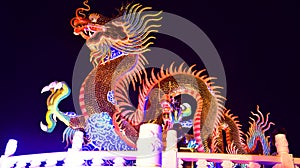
x=281 y=144
x=73 y=156
x=10 y=149
x=171 y=140
x=170 y=155
x=149 y=146
x=77 y=141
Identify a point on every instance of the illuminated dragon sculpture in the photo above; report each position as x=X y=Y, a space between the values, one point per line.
x=116 y=51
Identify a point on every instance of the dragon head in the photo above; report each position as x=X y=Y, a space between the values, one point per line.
x=99 y=31
x=86 y=27
x=59 y=91
x=126 y=32
x=95 y=23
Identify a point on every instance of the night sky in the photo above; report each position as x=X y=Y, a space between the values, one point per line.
x=258 y=43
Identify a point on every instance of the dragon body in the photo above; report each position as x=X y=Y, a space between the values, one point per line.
x=117 y=45
x=234 y=141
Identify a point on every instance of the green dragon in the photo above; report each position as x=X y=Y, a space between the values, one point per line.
x=116 y=51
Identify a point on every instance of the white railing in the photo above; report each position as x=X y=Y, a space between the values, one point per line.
x=69 y=158
x=96 y=157
x=228 y=160
x=170 y=158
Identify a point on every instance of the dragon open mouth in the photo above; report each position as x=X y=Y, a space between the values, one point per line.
x=88 y=31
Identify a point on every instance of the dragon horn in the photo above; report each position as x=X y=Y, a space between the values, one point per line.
x=79 y=11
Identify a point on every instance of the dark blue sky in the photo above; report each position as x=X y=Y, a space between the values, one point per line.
x=258 y=43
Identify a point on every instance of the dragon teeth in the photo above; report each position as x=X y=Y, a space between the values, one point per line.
x=91 y=33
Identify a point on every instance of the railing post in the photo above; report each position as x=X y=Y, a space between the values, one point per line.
x=170 y=155
x=149 y=146
x=227 y=164
x=73 y=156
x=281 y=144
x=77 y=141
x=10 y=149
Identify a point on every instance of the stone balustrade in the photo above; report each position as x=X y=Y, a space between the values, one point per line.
x=170 y=158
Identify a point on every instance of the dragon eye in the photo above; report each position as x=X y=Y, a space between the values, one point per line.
x=94 y=17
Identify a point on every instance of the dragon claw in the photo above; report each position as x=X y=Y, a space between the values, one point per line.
x=58 y=85
x=43 y=126
x=49 y=87
x=53 y=85
x=45 y=89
